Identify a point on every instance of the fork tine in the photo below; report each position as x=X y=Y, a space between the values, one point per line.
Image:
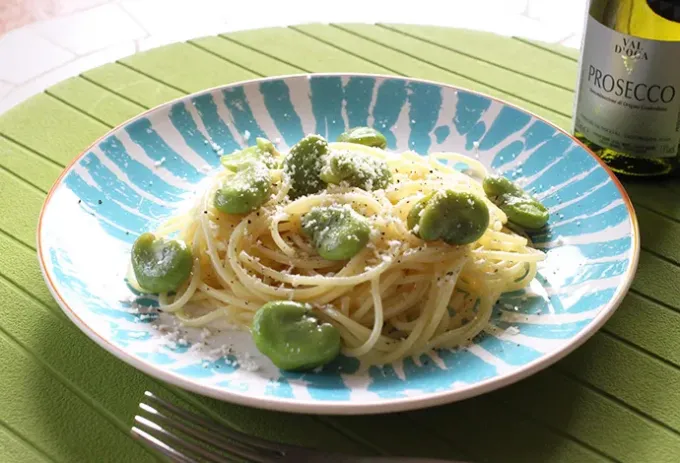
x=211 y=438
x=217 y=428
x=160 y=446
x=154 y=430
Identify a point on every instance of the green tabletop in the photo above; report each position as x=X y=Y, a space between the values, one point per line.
x=62 y=398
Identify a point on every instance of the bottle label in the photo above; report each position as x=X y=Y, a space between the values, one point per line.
x=629 y=93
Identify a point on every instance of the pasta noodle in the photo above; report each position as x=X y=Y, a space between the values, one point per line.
x=400 y=296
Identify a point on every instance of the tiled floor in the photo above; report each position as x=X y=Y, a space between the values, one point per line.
x=45 y=41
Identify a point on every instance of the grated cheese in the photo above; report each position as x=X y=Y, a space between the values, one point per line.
x=512 y=330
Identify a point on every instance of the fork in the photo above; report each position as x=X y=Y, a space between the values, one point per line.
x=186 y=437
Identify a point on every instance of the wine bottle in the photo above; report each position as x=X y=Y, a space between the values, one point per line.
x=627 y=107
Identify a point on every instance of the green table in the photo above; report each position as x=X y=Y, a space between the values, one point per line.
x=62 y=398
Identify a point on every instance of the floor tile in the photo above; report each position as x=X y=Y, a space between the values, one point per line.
x=73 y=68
x=87 y=33
x=5 y=89
x=179 y=21
x=25 y=55
x=70 y=6
x=166 y=18
x=91 y=30
x=17 y=13
x=559 y=13
x=573 y=41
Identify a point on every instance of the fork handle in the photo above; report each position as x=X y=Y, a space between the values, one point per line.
x=402 y=460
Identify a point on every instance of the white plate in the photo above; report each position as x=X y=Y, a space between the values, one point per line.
x=135 y=176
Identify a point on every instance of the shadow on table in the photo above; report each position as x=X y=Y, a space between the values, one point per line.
x=657 y=209
x=521 y=423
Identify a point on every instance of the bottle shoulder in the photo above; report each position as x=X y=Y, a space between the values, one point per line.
x=648 y=19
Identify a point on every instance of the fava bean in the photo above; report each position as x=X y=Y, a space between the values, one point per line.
x=292 y=337
x=356 y=169
x=246 y=190
x=520 y=207
x=337 y=232
x=364 y=136
x=454 y=217
x=160 y=265
x=263 y=151
x=303 y=165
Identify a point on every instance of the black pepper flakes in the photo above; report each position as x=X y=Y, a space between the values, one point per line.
x=80 y=201
x=99 y=201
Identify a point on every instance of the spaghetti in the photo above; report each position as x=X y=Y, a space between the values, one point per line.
x=399 y=296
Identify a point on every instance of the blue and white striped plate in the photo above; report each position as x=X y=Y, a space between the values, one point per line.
x=134 y=177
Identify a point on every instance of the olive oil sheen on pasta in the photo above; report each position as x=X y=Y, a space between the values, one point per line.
x=627 y=106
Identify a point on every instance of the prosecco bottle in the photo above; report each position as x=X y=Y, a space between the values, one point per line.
x=627 y=107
